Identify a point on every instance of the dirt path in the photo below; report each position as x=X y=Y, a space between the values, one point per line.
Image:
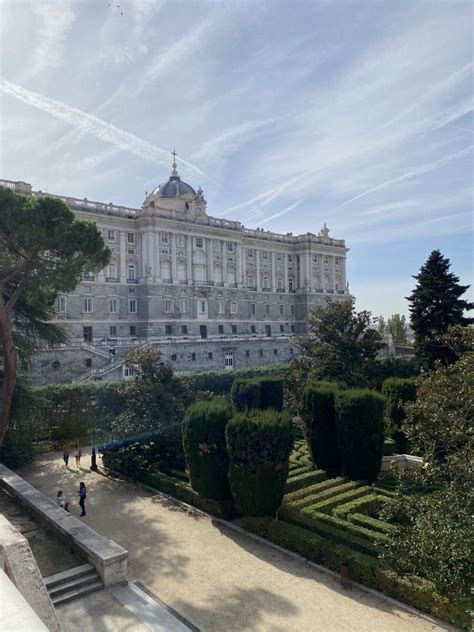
x=217 y=579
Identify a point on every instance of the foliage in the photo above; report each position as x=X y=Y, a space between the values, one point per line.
x=397 y=391
x=396 y=325
x=220 y=382
x=205 y=449
x=257 y=392
x=43 y=251
x=259 y=444
x=435 y=304
x=381 y=325
x=17 y=449
x=360 y=433
x=389 y=447
x=319 y=418
x=340 y=347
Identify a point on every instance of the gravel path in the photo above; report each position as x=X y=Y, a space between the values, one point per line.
x=217 y=579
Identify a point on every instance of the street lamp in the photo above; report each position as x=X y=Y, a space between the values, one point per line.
x=93 y=454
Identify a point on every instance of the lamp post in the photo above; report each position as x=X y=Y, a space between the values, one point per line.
x=93 y=454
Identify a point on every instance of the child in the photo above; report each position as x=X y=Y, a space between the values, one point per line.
x=62 y=502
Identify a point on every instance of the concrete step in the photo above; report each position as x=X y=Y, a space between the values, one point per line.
x=77 y=582
x=67 y=576
x=76 y=593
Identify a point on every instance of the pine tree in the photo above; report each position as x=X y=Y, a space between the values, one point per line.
x=435 y=304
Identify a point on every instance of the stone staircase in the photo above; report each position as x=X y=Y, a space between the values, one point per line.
x=72 y=584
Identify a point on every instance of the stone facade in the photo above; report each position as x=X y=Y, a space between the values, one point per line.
x=208 y=293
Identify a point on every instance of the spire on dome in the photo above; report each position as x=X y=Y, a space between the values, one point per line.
x=174 y=173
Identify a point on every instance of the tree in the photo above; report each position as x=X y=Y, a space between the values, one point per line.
x=341 y=347
x=435 y=304
x=381 y=325
x=396 y=327
x=433 y=506
x=43 y=251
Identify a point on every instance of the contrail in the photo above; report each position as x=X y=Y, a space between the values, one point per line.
x=279 y=214
x=91 y=124
x=405 y=176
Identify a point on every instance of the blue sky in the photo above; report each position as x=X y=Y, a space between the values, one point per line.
x=288 y=114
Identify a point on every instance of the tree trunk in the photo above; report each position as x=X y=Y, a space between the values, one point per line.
x=10 y=364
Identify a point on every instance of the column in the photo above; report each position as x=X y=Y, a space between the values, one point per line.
x=301 y=278
x=309 y=271
x=343 y=274
x=156 y=256
x=321 y=271
x=259 y=281
x=210 y=260
x=285 y=268
x=144 y=261
x=189 y=259
x=273 y=273
x=238 y=264
x=333 y=273
x=150 y=262
x=224 y=262
x=123 y=263
x=243 y=265
x=174 y=274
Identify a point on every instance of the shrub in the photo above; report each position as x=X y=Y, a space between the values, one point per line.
x=16 y=449
x=360 y=433
x=317 y=412
x=397 y=391
x=205 y=449
x=220 y=382
x=257 y=393
x=259 y=444
x=294 y=483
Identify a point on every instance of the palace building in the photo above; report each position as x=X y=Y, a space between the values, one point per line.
x=208 y=293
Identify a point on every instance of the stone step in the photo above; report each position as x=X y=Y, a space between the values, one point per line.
x=67 y=576
x=77 y=582
x=76 y=593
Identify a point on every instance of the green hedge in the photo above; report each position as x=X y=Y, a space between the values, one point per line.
x=332 y=502
x=205 y=449
x=321 y=495
x=294 y=483
x=259 y=444
x=360 y=433
x=220 y=382
x=397 y=391
x=318 y=415
x=370 y=523
x=365 y=569
x=257 y=392
x=313 y=490
x=16 y=449
x=370 y=503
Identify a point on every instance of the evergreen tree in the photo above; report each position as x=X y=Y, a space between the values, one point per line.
x=381 y=325
x=396 y=326
x=435 y=304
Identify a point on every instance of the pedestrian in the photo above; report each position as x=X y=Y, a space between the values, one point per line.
x=61 y=501
x=82 y=498
x=78 y=454
x=66 y=454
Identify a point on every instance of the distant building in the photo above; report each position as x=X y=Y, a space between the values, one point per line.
x=208 y=293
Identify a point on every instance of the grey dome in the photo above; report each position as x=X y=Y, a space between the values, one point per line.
x=174 y=187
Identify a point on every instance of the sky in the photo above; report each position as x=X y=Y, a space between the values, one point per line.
x=288 y=114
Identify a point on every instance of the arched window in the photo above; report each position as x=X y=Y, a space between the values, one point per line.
x=131 y=272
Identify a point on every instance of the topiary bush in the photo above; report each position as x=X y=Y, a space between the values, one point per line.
x=397 y=391
x=248 y=393
x=360 y=433
x=319 y=419
x=259 y=445
x=205 y=449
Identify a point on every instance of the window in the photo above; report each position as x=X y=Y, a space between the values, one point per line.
x=202 y=307
x=168 y=305
x=290 y=258
x=291 y=350
x=132 y=305
x=131 y=238
x=282 y=308
x=193 y=357
x=230 y=246
x=292 y=310
x=268 y=330
x=275 y=351
x=261 y=352
x=220 y=307
x=251 y=282
x=198 y=242
x=111 y=272
x=233 y=307
x=113 y=304
x=253 y=329
x=88 y=363
x=282 y=329
x=290 y=285
x=87 y=305
x=250 y=254
x=252 y=309
x=133 y=330
x=174 y=357
x=184 y=330
x=87 y=334
x=128 y=372
x=229 y=360
x=168 y=330
x=131 y=251
x=266 y=282
x=203 y=331
x=131 y=272
x=165 y=238
x=209 y=355
x=220 y=329
x=234 y=329
x=184 y=306
x=61 y=304
x=280 y=284
x=111 y=235
x=279 y=257
x=292 y=329
x=56 y=364
x=264 y=255
x=267 y=309
x=113 y=330
x=315 y=258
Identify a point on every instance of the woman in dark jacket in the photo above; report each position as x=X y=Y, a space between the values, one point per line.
x=82 y=498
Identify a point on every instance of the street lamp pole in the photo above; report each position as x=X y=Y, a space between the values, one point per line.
x=93 y=453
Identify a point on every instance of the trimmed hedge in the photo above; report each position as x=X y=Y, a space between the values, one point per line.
x=365 y=569
x=259 y=444
x=370 y=523
x=205 y=450
x=397 y=391
x=313 y=489
x=328 y=493
x=257 y=392
x=301 y=481
x=360 y=433
x=370 y=503
x=334 y=501
x=319 y=418
x=220 y=382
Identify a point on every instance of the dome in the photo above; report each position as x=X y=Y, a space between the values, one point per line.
x=174 y=187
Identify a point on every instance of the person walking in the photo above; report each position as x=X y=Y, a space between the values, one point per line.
x=78 y=454
x=66 y=454
x=61 y=501
x=82 y=498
